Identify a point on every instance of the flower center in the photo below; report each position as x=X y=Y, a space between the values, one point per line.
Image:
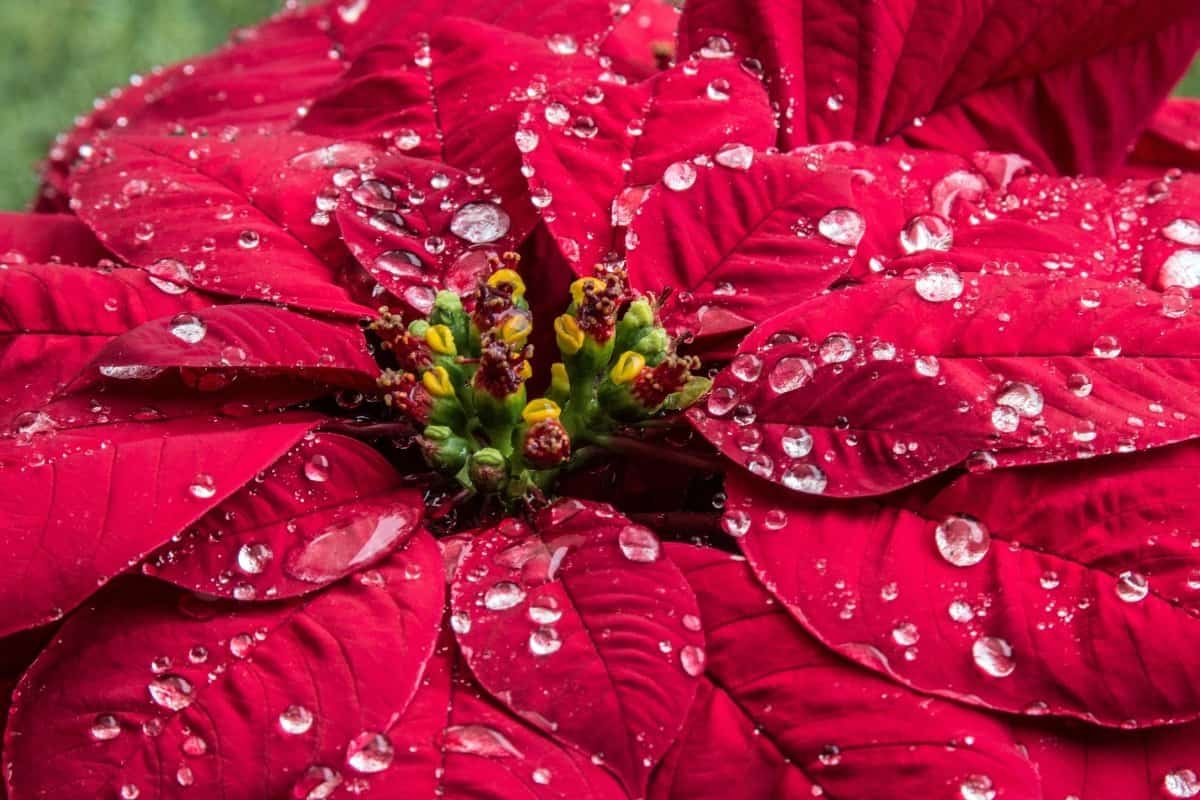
x=461 y=374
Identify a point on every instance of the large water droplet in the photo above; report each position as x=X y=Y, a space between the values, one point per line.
x=295 y=720
x=680 y=176
x=172 y=692
x=993 y=656
x=926 y=232
x=962 y=540
x=105 y=728
x=843 y=226
x=479 y=740
x=796 y=441
x=1183 y=231
x=348 y=544
x=692 y=659
x=939 y=283
x=1182 y=783
x=638 y=544
x=735 y=156
x=370 y=752
x=503 y=596
x=1023 y=398
x=1182 y=268
x=789 y=374
x=746 y=367
x=188 y=328
x=544 y=641
x=1132 y=587
x=836 y=348
x=480 y=223
x=253 y=557
x=977 y=787
x=807 y=478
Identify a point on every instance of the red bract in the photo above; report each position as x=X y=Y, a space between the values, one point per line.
x=260 y=538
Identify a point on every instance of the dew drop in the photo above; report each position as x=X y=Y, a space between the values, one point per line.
x=503 y=596
x=735 y=522
x=105 y=728
x=544 y=641
x=735 y=156
x=721 y=401
x=172 y=692
x=639 y=544
x=241 y=644
x=202 y=487
x=316 y=468
x=926 y=232
x=977 y=787
x=746 y=367
x=1107 y=347
x=1005 y=419
x=1132 y=587
x=1176 y=302
x=718 y=90
x=960 y=611
x=541 y=776
x=927 y=366
x=188 y=328
x=1182 y=783
x=317 y=783
x=1023 y=398
x=837 y=348
x=349 y=543
x=843 y=226
x=807 y=478
x=253 y=557
x=130 y=791
x=692 y=659
x=1079 y=384
x=940 y=282
x=479 y=740
x=796 y=441
x=680 y=176
x=480 y=223
x=460 y=622
x=993 y=656
x=249 y=240
x=545 y=611
x=905 y=634
x=789 y=373
x=370 y=752
x=562 y=44
x=1182 y=268
x=184 y=776
x=962 y=540
x=1183 y=231
x=194 y=746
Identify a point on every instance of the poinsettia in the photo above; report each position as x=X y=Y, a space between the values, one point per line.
x=576 y=400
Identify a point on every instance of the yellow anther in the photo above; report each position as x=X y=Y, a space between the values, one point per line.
x=540 y=409
x=577 y=288
x=525 y=371
x=437 y=381
x=441 y=340
x=515 y=329
x=628 y=367
x=560 y=382
x=569 y=335
x=509 y=276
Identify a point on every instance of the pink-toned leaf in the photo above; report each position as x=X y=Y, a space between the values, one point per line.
x=48 y=239
x=873 y=388
x=456 y=742
x=780 y=716
x=985 y=74
x=400 y=222
x=594 y=158
x=565 y=624
x=81 y=506
x=244 y=700
x=54 y=319
x=246 y=338
x=332 y=505
x=238 y=218
x=1047 y=590
x=643 y=41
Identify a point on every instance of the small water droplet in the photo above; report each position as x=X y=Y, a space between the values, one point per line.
x=926 y=232
x=480 y=223
x=105 y=728
x=692 y=659
x=316 y=468
x=962 y=540
x=1107 y=347
x=1132 y=587
x=541 y=776
x=837 y=348
x=718 y=89
x=172 y=692
x=317 y=783
x=735 y=522
x=503 y=596
x=680 y=176
x=544 y=641
x=202 y=487
x=906 y=634
x=249 y=240
x=639 y=544
x=1024 y=398
x=735 y=156
x=796 y=441
x=939 y=283
x=562 y=44
x=746 y=367
x=977 y=787
x=370 y=752
x=789 y=374
x=993 y=656
x=807 y=478
x=253 y=557
x=843 y=226
x=188 y=328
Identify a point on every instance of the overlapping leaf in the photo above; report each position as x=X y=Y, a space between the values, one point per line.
x=154 y=689
x=81 y=506
x=1172 y=140
x=579 y=627
x=876 y=387
x=986 y=74
x=48 y=239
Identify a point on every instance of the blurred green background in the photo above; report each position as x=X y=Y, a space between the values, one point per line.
x=61 y=54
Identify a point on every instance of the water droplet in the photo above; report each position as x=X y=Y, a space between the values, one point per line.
x=1132 y=587
x=796 y=441
x=317 y=783
x=503 y=596
x=691 y=622
x=680 y=176
x=1107 y=347
x=105 y=728
x=375 y=195
x=545 y=611
x=479 y=740
x=746 y=367
x=370 y=752
x=906 y=634
x=962 y=540
x=843 y=226
x=541 y=776
x=1176 y=302
x=721 y=401
x=1049 y=580
x=130 y=791
x=837 y=348
x=184 y=776
x=350 y=543
x=460 y=622
x=480 y=223
x=718 y=90
x=735 y=522
x=1183 y=231
x=253 y=557
x=716 y=47
x=1079 y=384
x=316 y=468
x=807 y=478
x=939 y=283
x=544 y=642
x=295 y=720
x=960 y=611
x=789 y=374
x=735 y=156
x=202 y=487
x=927 y=366
x=993 y=656
x=1005 y=419
x=407 y=139
x=638 y=544
x=562 y=44
x=249 y=240
x=926 y=232
x=692 y=659
x=527 y=140
x=1023 y=398
x=977 y=787
x=1182 y=268
x=1182 y=783
x=172 y=692
x=241 y=644
x=835 y=102
x=188 y=328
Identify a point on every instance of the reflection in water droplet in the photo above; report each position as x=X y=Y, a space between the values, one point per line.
x=544 y=642
x=926 y=232
x=316 y=468
x=1182 y=783
x=906 y=634
x=843 y=226
x=503 y=596
x=977 y=787
x=692 y=659
x=1023 y=398
x=105 y=728
x=541 y=776
x=130 y=791
x=317 y=783
x=188 y=328
x=172 y=692
x=253 y=557
x=295 y=720
x=807 y=478
x=837 y=348
x=735 y=522
x=1107 y=347
x=796 y=441
x=789 y=374
x=939 y=282
x=480 y=223
x=202 y=487
x=680 y=176
x=735 y=156
x=993 y=656
x=1132 y=587
x=350 y=543
x=638 y=544
x=746 y=367
x=479 y=740
x=962 y=540
x=370 y=752
x=249 y=240
x=1182 y=268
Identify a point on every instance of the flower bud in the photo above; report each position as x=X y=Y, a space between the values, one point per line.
x=540 y=409
x=441 y=340
x=437 y=382
x=569 y=335
x=546 y=443
x=560 y=384
x=442 y=449
x=654 y=344
x=510 y=278
x=448 y=310
x=629 y=365
x=515 y=328
x=488 y=470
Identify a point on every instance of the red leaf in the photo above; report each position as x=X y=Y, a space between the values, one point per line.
x=454 y=741
x=330 y=506
x=1009 y=76
x=180 y=698
x=846 y=395
x=419 y=226
x=80 y=506
x=566 y=627
x=594 y=158
x=1004 y=589
x=231 y=217
x=54 y=319
x=643 y=41
x=1173 y=137
x=781 y=717
x=48 y=239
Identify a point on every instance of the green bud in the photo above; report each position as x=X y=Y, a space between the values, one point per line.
x=448 y=310
x=443 y=450
x=418 y=328
x=686 y=397
x=639 y=318
x=654 y=345
x=488 y=470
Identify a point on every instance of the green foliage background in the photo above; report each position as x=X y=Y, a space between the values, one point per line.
x=61 y=54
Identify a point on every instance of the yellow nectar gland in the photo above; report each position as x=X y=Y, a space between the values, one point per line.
x=539 y=410
x=569 y=335
x=579 y=287
x=441 y=340
x=437 y=382
x=627 y=368
x=515 y=329
x=508 y=276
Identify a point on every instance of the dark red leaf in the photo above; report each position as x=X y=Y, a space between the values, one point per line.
x=54 y=319
x=578 y=627
x=238 y=218
x=781 y=717
x=48 y=239
x=1050 y=590
x=1172 y=138
x=594 y=158
x=332 y=505
x=81 y=506
x=178 y=697
x=875 y=387
x=1009 y=76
